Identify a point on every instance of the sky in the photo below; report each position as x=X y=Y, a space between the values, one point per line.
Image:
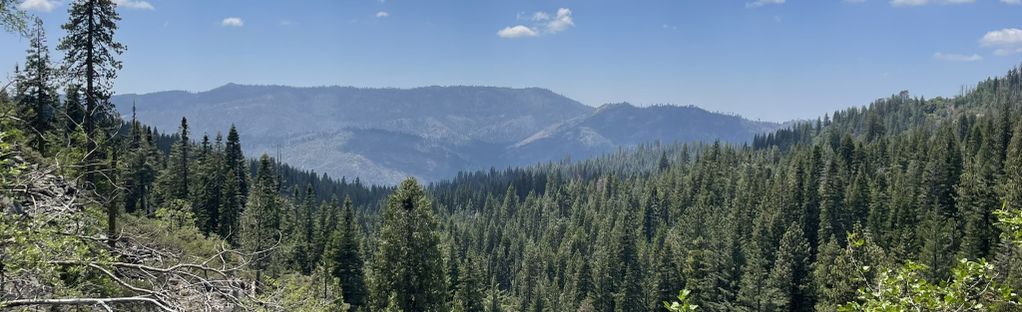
x=771 y=60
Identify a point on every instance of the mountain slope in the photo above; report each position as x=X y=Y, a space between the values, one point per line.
x=459 y=114
x=384 y=135
x=623 y=125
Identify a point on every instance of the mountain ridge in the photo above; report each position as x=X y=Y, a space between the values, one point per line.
x=384 y=134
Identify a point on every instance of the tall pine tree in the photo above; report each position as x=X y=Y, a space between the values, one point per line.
x=260 y=223
x=37 y=98
x=90 y=60
x=408 y=261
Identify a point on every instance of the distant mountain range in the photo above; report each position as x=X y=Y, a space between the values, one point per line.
x=384 y=135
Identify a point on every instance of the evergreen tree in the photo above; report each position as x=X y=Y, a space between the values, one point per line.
x=753 y=294
x=210 y=181
x=326 y=224
x=174 y=180
x=831 y=203
x=235 y=188
x=583 y=282
x=408 y=260
x=90 y=60
x=668 y=279
x=230 y=210
x=470 y=296
x=344 y=260
x=943 y=171
x=976 y=202
x=235 y=160
x=37 y=94
x=260 y=223
x=89 y=50
x=831 y=279
x=1011 y=185
x=138 y=172
x=789 y=281
x=629 y=274
x=305 y=231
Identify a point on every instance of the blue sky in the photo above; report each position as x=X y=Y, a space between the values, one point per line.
x=763 y=59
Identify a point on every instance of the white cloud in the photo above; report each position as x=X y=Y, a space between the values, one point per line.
x=382 y=14
x=134 y=4
x=519 y=31
x=952 y=57
x=905 y=3
x=543 y=24
x=669 y=27
x=759 y=3
x=38 y=5
x=286 y=23
x=1002 y=38
x=232 y=22
x=1005 y=42
x=1012 y=1
x=560 y=22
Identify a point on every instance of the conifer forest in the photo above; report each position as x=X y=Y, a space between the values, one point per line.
x=906 y=203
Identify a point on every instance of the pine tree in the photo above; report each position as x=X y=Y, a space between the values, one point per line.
x=470 y=297
x=668 y=279
x=38 y=97
x=260 y=223
x=89 y=59
x=228 y=223
x=629 y=273
x=235 y=160
x=174 y=181
x=939 y=238
x=830 y=279
x=408 y=260
x=495 y=304
x=976 y=202
x=235 y=171
x=755 y=277
x=344 y=261
x=839 y=273
x=138 y=172
x=856 y=206
x=697 y=270
x=789 y=281
x=583 y=282
x=943 y=171
x=1011 y=181
x=326 y=223
x=209 y=179
x=879 y=212
x=831 y=203
x=305 y=231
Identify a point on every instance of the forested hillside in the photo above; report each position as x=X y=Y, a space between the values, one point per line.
x=431 y=133
x=905 y=204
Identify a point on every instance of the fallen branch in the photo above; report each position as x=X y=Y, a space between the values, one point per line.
x=104 y=302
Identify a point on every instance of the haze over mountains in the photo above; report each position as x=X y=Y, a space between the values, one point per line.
x=384 y=135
